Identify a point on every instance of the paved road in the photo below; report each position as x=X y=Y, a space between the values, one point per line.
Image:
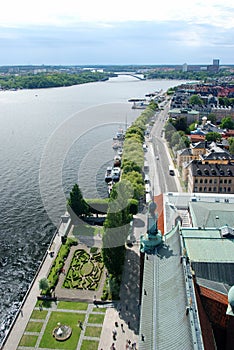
x=159 y=158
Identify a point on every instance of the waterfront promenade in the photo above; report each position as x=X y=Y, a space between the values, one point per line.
x=23 y=316
x=125 y=311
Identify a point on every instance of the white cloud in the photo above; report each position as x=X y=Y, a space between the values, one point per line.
x=70 y=12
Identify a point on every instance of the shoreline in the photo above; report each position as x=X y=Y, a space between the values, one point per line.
x=14 y=333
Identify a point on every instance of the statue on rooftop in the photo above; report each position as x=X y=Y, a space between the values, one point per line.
x=153 y=237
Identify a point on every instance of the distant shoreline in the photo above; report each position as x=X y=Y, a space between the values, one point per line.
x=50 y=80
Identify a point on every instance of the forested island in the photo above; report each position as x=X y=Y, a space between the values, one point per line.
x=49 y=80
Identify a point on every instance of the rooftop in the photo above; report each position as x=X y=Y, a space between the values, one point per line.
x=215 y=214
x=207 y=245
x=210 y=254
x=212 y=170
x=164 y=324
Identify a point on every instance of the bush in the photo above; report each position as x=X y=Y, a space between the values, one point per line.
x=133 y=206
x=93 y=250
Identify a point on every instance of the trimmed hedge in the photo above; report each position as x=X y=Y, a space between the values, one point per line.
x=78 y=280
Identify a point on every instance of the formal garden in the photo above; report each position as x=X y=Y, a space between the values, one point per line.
x=85 y=270
x=49 y=322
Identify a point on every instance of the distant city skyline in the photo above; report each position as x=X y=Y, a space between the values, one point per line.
x=81 y=33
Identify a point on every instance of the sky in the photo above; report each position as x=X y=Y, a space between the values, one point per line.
x=75 y=32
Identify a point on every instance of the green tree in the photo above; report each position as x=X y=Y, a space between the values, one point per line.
x=77 y=203
x=44 y=284
x=116 y=228
x=231 y=145
x=193 y=126
x=175 y=139
x=224 y=101
x=212 y=117
x=227 y=123
x=213 y=136
x=183 y=143
x=180 y=124
x=195 y=100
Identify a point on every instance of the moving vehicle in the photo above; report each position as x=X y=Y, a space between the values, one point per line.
x=171 y=170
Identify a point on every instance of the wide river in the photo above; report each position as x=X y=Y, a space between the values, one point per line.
x=46 y=133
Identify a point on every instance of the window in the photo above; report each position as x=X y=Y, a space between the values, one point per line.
x=229 y=181
x=215 y=181
x=200 y=189
x=225 y=181
x=210 y=181
x=220 y=189
x=221 y=181
x=229 y=189
x=201 y=181
x=205 y=181
x=205 y=189
x=196 y=181
x=214 y=190
x=209 y=189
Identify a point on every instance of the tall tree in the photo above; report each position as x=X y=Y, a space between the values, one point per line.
x=77 y=203
x=116 y=228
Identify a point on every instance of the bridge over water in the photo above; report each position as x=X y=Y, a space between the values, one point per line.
x=135 y=75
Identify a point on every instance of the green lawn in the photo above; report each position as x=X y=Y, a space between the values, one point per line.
x=89 y=345
x=71 y=305
x=28 y=340
x=87 y=230
x=99 y=309
x=45 y=303
x=66 y=318
x=34 y=326
x=95 y=318
x=93 y=331
x=39 y=315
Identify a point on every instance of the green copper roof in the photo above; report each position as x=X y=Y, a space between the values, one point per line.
x=208 y=245
x=211 y=214
x=163 y=322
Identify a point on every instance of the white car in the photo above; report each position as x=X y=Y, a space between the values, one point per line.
x=147 y=188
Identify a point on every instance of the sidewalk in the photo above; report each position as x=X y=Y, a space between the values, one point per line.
x=127 y=312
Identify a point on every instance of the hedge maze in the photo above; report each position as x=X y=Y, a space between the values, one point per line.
x=85 y=270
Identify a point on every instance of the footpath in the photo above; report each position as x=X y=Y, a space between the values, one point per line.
x=124 y=320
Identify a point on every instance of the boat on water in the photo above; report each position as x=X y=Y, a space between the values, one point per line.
x=117 y=161
x=108 y=175
x=119 y=135
x=110 y=187
x=117 y=144
x=120 y=152
x=116 y=174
